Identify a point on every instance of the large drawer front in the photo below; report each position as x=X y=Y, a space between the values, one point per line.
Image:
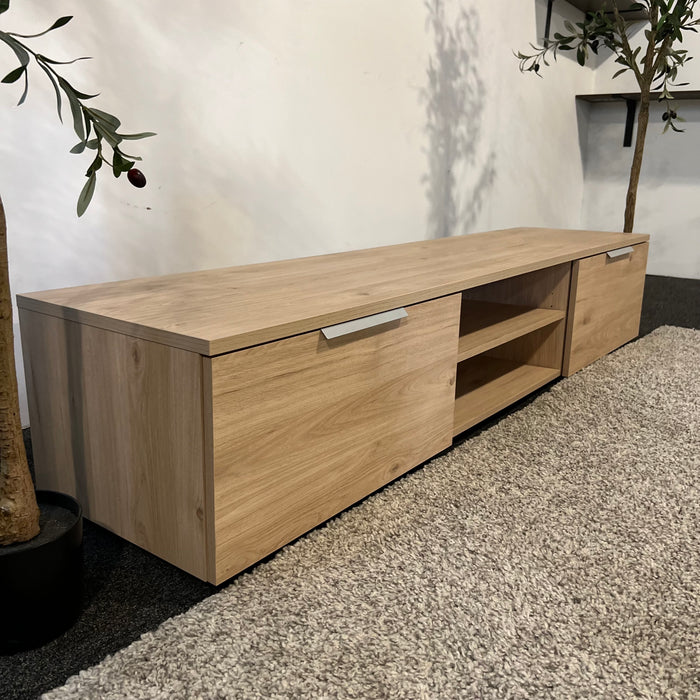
x=306 y=426
x=605 y=305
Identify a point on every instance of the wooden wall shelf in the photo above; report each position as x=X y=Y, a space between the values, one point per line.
x=623 y=5
x=617 y=96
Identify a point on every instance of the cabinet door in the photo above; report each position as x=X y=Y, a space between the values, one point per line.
x=605 y=305
x=306 y=426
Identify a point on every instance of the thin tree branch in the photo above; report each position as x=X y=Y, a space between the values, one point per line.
x=626 y=48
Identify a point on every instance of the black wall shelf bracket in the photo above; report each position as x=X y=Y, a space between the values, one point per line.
x=548 y=22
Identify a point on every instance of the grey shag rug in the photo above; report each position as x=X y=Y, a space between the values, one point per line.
x=555 y=555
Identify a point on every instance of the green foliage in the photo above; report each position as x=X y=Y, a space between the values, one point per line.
x=86 y=193
x=87 y=121
x=655 y=68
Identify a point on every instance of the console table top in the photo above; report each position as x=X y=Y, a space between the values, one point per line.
x=215 y=311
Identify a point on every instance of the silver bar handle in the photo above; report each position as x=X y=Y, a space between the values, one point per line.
x=360 y=324
x=620 y=252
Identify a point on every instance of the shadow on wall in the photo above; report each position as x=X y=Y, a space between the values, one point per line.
x=460 y=175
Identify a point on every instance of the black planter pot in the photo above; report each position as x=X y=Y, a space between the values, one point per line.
x=41 y=581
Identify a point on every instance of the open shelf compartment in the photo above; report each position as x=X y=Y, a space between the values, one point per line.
x=485 y=325
x=485 y=385
x=511 y=341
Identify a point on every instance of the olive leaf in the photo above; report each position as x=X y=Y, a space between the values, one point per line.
x=75 y=108
x=107 y=134
x=106 y=118
x=134 y=137
x=95 y=165
x=23 y=57
x=14 y=75
x=60 y=22
x=119 y=164
x=21 y=53
x=86 y=194
x=40 y=57
x=53 y=82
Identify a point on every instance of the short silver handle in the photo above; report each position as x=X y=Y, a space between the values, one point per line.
x=620 y=252
x=360 y=324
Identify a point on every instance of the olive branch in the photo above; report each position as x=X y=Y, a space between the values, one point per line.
x=92 y=126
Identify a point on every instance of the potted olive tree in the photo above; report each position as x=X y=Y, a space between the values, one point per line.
x=40 y=538
x=654 y=64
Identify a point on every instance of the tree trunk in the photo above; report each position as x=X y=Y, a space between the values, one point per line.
x=642 y=123
x=19 y=514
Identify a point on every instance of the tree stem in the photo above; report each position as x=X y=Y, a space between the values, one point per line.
x=636 y=169
x=19 y=514
x=645 y=79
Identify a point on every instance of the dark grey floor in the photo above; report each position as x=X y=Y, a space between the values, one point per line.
x=128 y=591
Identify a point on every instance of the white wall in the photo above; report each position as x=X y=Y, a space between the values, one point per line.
x=668 y=206
x=286 y=128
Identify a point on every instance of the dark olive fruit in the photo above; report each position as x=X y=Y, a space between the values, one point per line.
x=673 y=115
x=136 y=178
x=664 y=116
x=536 y=67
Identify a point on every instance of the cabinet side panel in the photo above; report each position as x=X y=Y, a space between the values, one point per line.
x=566 y=366
x=117 y=422
x=305 y=427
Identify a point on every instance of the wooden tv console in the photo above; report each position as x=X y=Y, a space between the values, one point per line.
x=212 y=417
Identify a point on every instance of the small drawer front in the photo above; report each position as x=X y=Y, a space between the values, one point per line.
x=605 y=304
x=306 y=426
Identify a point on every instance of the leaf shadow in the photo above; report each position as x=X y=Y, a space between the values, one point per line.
x=460 y=174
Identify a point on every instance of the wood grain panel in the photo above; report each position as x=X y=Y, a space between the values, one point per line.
x=304 y=427
x=543 y=289
x=543 y=347
x=216 y=311
x=117 y=423
x=606 y=306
